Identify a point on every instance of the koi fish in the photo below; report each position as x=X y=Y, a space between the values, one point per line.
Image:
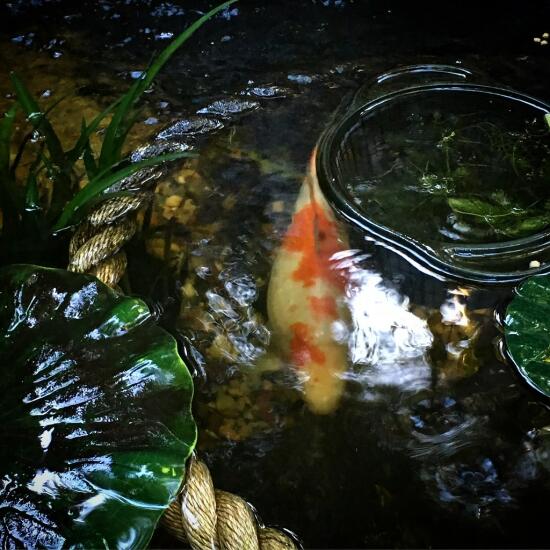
x=306 y=296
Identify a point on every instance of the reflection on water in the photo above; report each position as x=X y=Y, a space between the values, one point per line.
x=388 y=341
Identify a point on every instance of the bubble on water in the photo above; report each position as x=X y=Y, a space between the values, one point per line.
x=229 y=13
x=333 y=3
x=441 y=428
x=247 y=351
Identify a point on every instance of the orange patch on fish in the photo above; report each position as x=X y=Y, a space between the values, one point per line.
x=315 y=237
x=302 y=349
x=306 y=296
x=324 y=307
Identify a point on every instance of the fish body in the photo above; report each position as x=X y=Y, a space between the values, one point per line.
x=306 y=296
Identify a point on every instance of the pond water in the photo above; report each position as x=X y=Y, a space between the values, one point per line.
x=479 y=163
x=434 y=441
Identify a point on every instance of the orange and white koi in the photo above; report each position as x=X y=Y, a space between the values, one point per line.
x=306 y=296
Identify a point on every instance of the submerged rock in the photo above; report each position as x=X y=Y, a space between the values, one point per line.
x=228 y=107
x=155 y=149
x=267 y=92
x=190 y=127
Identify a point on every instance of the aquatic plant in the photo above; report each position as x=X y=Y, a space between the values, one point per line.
x=499 y=214
x=96 y=413
x=527 y=331
x=502 y=217
x=30 y=215
x=96 y=402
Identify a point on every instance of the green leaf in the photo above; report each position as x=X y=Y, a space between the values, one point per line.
x=38 y=119
x=10 y=199
x=106 y=179
x=31 y=193
x=86 y=132
x=6 y=131
x=96 y=417
x=527 y=331
x=480 y=208
x=502 y=217
x=28 y=138
x=120 y=124
x=90 y=163
x=527 y=226
x=60 y=170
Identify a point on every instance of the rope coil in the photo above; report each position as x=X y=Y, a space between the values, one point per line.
x=205 y=518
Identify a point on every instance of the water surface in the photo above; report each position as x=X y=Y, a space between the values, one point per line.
x=436 y=442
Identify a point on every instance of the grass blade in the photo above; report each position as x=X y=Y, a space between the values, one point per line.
x=32 y=199
x=6 y=131
x=74 y=154
x=119 y=125
x=90 y=163
x=27 y=138
x=59 y=169
x=38 y=119
x=106 y=179
x=167 y=53
x=31 y=193
x=9 y=199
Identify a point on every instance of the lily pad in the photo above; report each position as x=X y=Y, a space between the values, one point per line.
x=95 y=413
x=527 y=331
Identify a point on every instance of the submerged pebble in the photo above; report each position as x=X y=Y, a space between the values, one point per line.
x=267 y=92
x=190 y=127
x=155 y=149
x=228 y=107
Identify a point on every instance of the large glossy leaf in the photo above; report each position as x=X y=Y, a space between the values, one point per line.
x=95 y=422
x=527 y=331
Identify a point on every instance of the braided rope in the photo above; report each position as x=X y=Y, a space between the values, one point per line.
x=206 y=518
x=212 y=519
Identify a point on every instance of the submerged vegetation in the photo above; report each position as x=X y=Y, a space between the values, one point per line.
x=480 y=181
x=467 y=158
x=96 y=400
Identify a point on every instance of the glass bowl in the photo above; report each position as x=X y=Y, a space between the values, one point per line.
x=453 y=176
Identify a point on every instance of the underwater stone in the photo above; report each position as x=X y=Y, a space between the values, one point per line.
x=228 y=107
x=190 y=127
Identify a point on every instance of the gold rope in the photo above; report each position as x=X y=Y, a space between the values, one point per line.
x=205 y=518
x=209 y=519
